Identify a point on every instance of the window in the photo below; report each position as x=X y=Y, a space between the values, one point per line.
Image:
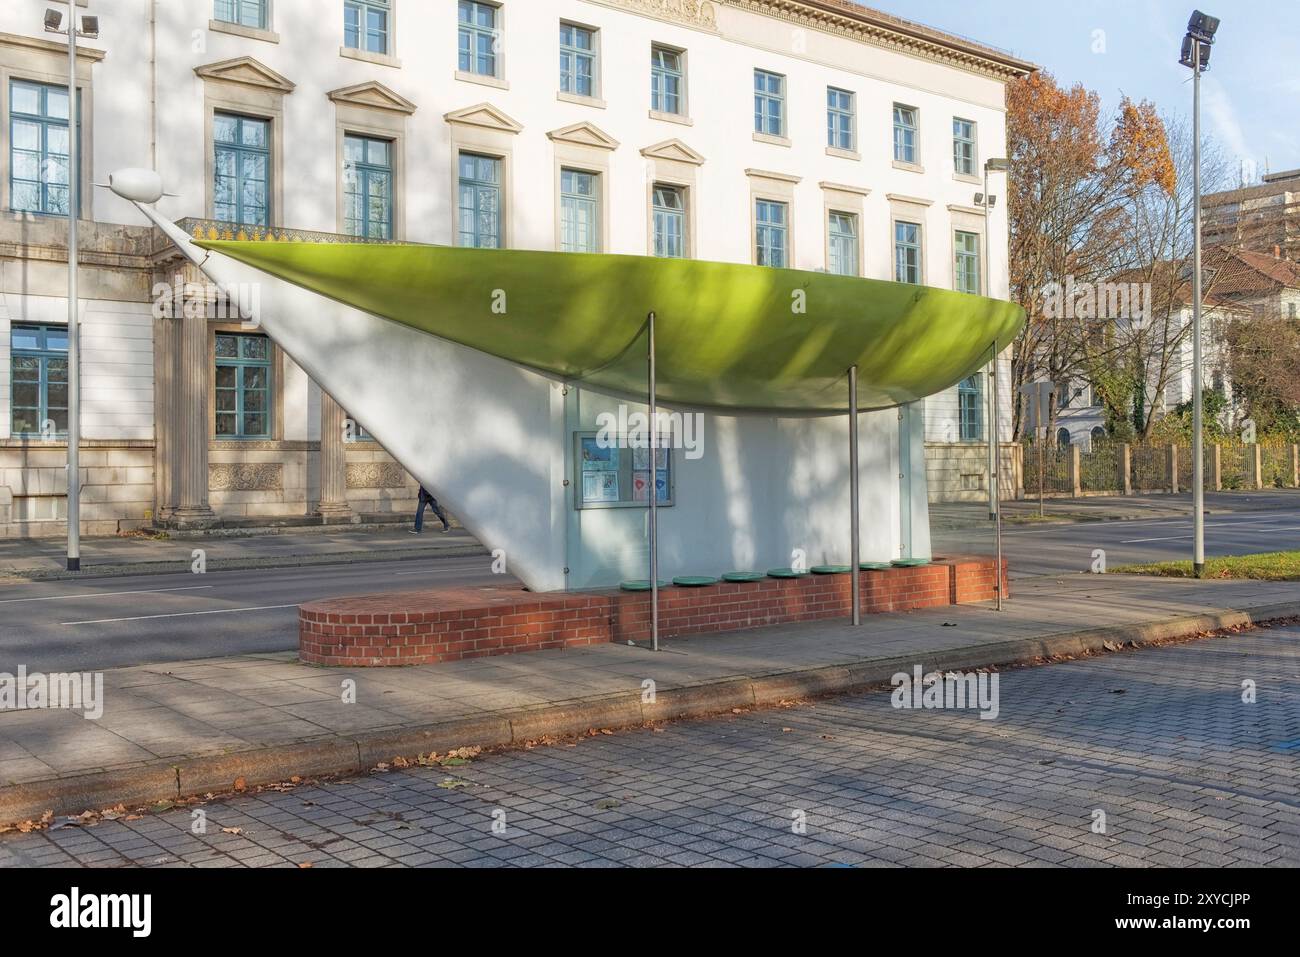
x=38 y=366
x=769 y=103
x=904 y=134
x=666 y=77
x=843 y=244
x=669 y=221
x=907 y=253
x=1098 y=434
x=480 y=201
x=38 y=127
x=579 y=212
x=966 y=262
x=241 y=190
x=970 y=406
x=478 y=38
x=243 y=386
x=839 y=119
x=577 y=60
x=367 y=187
x=772 y=233
x=246 y=13
x=1064 y=395
x=963 y=147
x=1063 y=438
x=365 y=25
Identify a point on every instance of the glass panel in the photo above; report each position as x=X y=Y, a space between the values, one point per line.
x=226 y=399
x=227 y=346
x=227 y=378
x=226 y=424
x=21 y=337
x=254 y=424
x=25 y=98
x=26 y=135
x=225 y=129
x=27 y=394
x=56 y=102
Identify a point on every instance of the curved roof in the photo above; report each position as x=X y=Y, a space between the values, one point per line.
x=736 y=337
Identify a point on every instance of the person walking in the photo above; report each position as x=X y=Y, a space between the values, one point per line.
x=426 y=499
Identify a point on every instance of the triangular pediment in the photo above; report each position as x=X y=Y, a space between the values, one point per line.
x=247 y=71
x=584 y=134
x=485 y=115
x=374 y=96
x=674 y=150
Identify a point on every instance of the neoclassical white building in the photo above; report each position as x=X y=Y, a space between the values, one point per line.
x=815 y=134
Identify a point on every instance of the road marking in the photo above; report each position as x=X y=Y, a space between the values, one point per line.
x=103 y=594
x=183 y=614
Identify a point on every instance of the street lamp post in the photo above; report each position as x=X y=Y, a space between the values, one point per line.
x=90 y=29
x=1196 y=55
x=995 y=165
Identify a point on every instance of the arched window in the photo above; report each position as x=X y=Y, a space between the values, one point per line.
x=1063 y=438
x=1098 y=433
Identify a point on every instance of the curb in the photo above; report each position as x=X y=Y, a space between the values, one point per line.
x=356 y=754
x=242 y=564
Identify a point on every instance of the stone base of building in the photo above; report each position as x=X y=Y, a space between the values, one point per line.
x=450 y=624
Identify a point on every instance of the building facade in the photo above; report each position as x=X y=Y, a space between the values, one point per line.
x=814 y=135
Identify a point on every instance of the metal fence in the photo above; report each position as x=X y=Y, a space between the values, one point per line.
x=1055 y=476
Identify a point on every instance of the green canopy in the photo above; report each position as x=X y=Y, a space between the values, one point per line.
x=727 y=336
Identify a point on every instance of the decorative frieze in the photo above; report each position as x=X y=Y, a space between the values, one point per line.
x=699 y=13
x=246 y=477
x=375 y=475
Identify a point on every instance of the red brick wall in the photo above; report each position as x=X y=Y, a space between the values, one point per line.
x=414 y=628
x=420 y=628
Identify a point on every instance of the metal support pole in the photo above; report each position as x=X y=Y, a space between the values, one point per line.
x=654 y=492
x=855 y=554
x=1198 y=411
x=74 y=337
x=993 y=360
x=995 y=476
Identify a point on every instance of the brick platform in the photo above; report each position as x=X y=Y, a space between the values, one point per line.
x=424 y=627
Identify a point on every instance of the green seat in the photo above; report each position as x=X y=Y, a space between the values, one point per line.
x=743 y=577
x=694 y=581
x=874 y=566
x=910 y=562
x=785 y=573
x=831 y=569
x=640 y=584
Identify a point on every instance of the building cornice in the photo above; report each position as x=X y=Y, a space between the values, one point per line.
x=50 y=46
x=847 y=19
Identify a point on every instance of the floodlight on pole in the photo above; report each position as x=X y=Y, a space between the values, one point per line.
x=1195 y=54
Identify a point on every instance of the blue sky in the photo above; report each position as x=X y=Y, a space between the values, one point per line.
x=1250 y=96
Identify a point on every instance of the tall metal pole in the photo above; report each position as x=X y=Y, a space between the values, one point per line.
x=1198 y=411
x=993 y=360
x=855 y=553
x=995 y=478
x=654 y=494
x=74 y=344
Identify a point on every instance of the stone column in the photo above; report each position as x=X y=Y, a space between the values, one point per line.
x=1216 y=467
x=333 y=505
x=1173 y=469
x=1126 y=469
x=191 y=419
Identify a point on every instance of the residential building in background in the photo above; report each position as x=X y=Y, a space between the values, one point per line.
x=816 y=135
x=1264 y=218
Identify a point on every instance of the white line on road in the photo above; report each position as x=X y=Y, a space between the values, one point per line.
x=103 y=594
x=183 y=614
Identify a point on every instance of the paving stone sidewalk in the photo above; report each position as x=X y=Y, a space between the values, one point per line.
x=223 y=713
x=1158 y=741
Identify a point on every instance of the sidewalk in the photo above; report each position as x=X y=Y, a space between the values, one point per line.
x=45 y=558
x=188 y=728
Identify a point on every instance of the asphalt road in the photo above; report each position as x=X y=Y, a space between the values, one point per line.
x=1141 y=758
x=108 y=622
x=1056 y=549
